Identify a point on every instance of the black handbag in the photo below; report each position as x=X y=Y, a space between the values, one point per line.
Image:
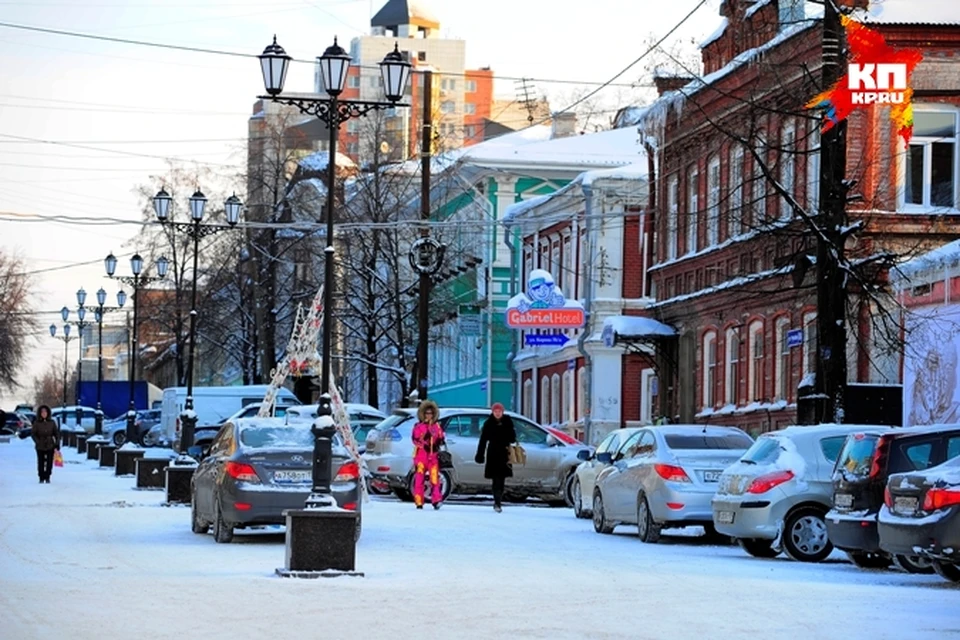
x=445 y=459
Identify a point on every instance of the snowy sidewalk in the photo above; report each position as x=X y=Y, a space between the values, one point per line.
x=89 y=556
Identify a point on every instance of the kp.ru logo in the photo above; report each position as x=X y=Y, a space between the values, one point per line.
x=877 y=83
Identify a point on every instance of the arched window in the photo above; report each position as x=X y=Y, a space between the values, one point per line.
x=693 y=208
x=735 y=212
x=581 y=393
x=782 y=375
x=528 y=399
x=732 y=373
x=755 y=373
x=566 y=414
x=709 y=358
x=544 y=400
x=673 y=215
x=713 y=202
x=788 y=167
x=809 y=344
x=555 y=399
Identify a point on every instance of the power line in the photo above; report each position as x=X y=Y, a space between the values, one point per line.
x=116 y=151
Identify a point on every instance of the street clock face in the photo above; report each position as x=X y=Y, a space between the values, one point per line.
x=426 y=255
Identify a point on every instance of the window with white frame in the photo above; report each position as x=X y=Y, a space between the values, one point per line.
x=735 y=211
x=693 y=208
x=582 y=259
x=673 y=215
x=528 y=399
x=355 y=128
x=566 y=272
x=566 y=410
x=581 y=392
x=469 y=108
x=555 y=399
x=527 y=261
x=758 y=194
x=813 y=170
x=809 y=343
x=713 y=202
x=353 y=82
x=782 y=373
x=448 y=106
x=930 y=161
x=755 y=368
x=732 y=373
x=471 y=86
x=544 y=400
x=788 y=167
x=470 y=131
x=709 y=369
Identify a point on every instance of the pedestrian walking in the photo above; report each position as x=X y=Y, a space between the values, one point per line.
x=496 y=436
x=46 y=438
x=428 y=437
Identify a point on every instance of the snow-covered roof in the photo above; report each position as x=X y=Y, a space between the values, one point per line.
x=757 y=5
x=928 y=266
x=637 y=327
x=635 y=171
x=713 y=37
x=605 y=149
x=941 y=12
x=318 y=161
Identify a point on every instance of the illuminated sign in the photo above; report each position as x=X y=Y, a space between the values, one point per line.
x=543 y=306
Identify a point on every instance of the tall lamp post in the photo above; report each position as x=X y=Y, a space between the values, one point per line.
x=198 y=202
x=81 y=325
x=333 y=112
x=98 y=316
x=64 y=313
x=137 y=281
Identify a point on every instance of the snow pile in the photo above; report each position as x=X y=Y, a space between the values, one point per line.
x=638 y=327
x=927 y=267
x=716 y=35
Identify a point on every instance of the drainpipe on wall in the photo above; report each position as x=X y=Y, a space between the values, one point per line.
x=514 y=335
x=587 y=304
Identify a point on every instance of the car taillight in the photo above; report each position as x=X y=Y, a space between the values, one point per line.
x=887 y=498
x=941 y=499
x=879 y=457
x=768 y=481
x=394 y=435
x=348 y=471
x=671 y=473
x=241 y=471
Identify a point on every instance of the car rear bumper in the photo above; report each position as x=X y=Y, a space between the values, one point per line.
x=753 y=518
x=936 y=536
x=390 y=469
x=675 y=506
x=853 y=533
x=247 y=506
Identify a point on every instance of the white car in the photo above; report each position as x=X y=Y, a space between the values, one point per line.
x=588 y=469
x=67 y=418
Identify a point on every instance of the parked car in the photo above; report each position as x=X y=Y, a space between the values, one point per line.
x=664 y=477
x=778 y=494
x=116 y=430
x=586 y=472
x=866 y=462
x=204 y=434
x=256 y=469
x=362 y=417
x=548 y=473
x=921 y=513
x=13 y=424
x=67 y=417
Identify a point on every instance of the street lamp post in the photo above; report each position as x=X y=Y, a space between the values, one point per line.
x=137 y=281
x=65 y=314
x=98 y=315
x=198 y=202
x=334 y=68
x=81 y=325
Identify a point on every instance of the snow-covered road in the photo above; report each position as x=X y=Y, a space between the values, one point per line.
x=89 y=556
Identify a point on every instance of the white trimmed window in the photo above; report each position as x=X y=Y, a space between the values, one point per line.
x=528 y=399
x=565 y=278
x=713 y=201
x=709 y=369
x=732 y=373
x=581 y=392
x=693 y=208
x=555 y=399
x=544 y=400
x=809 y=343
x=673 y=215
x=755 y=369
x=566 y=413
x=758 y=193
x=930 y=162
x=813 y=171
x=788 y=167
x=736 y=187
x=782 y=373
x=469 y=108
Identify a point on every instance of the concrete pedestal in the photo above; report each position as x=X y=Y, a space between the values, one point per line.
x=80 y=442
x=151 y=472
x=320 y=543
x=178 y=482
x=70 y=438
x=108 y=455
x=127 y=461
x=93 y=445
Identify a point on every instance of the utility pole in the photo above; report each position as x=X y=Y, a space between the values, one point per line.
x=831 y=361
x=426 y=155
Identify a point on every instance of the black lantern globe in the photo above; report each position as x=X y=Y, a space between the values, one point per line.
x=334 y=67
x=101 y=297
x=110 y=262
x=81 y=298
x=65 y=313
x=121 y=298
x=274 y=63
x=53 y=331
x=161 y=205
x=232 y=207
x=66 y=330
x=136 y=264
x=162 y=265
x=395 y=72
x=198 y=203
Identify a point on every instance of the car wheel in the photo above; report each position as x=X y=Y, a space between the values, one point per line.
x=197 y=525
x=866 y=560
x=403 y=494
x=710 y=533
x=947 y=570
x=446 y=486
x=914 y=564
x=758 y=548
x=647 y=529
x=222 y=532
x=578 y=509
x=568 y=488
x=805 y=535
x=119 y=437
x=146 y=440
x=600 y=524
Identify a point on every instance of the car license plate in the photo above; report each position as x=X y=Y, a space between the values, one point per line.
x=292 y=477
x=711 y=476
x=725 y=517
x=905 y=505
x=843 y=500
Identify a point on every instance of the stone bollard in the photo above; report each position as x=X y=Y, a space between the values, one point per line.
x=320 y=542
x=71 y=438
x=150 y=472
x=93 y=447
x=179 y=474
x=80 y=442
x=108 y=456
x=127 y=460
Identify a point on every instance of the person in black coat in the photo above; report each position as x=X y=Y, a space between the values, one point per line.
x=497 y=434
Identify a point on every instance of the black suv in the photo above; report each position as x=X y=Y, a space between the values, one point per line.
x=860 y=477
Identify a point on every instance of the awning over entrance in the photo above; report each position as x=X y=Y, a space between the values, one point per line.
x=634 y=328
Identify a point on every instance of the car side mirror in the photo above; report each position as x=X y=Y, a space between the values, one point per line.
x=606 y=457
x=195 y=452
x=583 y=454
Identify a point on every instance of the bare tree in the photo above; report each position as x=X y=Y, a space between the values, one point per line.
x=16 y=322
x=48 y=386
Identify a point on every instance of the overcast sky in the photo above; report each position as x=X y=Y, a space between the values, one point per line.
x=125 y=101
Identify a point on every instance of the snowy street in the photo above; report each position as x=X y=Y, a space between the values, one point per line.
x=89 y=556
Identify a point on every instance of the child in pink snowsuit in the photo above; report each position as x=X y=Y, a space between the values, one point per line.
x=428 y=436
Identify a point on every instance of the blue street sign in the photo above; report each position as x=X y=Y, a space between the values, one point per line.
x=794 y=338
x=546 y=340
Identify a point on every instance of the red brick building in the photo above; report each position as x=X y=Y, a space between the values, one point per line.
x=729 y=248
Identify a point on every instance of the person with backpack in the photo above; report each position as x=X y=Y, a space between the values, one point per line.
x=496 y=436
x=46 y=438
x=428 y=438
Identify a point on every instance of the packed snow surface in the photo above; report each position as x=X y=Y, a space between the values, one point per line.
x=89 y=556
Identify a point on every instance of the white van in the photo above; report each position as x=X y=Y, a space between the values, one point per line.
x=213 y=404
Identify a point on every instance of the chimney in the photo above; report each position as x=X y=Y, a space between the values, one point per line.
x=564 y=125
x=669 y=83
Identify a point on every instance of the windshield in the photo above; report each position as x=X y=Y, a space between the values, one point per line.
x=765 y=450
x=276 y=438
x=708 y=441
x=395 y=421
x=856 y=457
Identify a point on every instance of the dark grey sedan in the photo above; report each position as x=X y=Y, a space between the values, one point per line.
x=256 y=469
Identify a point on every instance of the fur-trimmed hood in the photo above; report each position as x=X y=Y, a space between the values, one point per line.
x=424 y=406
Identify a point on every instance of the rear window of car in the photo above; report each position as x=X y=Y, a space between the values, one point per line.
x=831 y=447
x=764 y=451
x=396 y=420
x=275 y=437
x=856 y=455
x=708 y=441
